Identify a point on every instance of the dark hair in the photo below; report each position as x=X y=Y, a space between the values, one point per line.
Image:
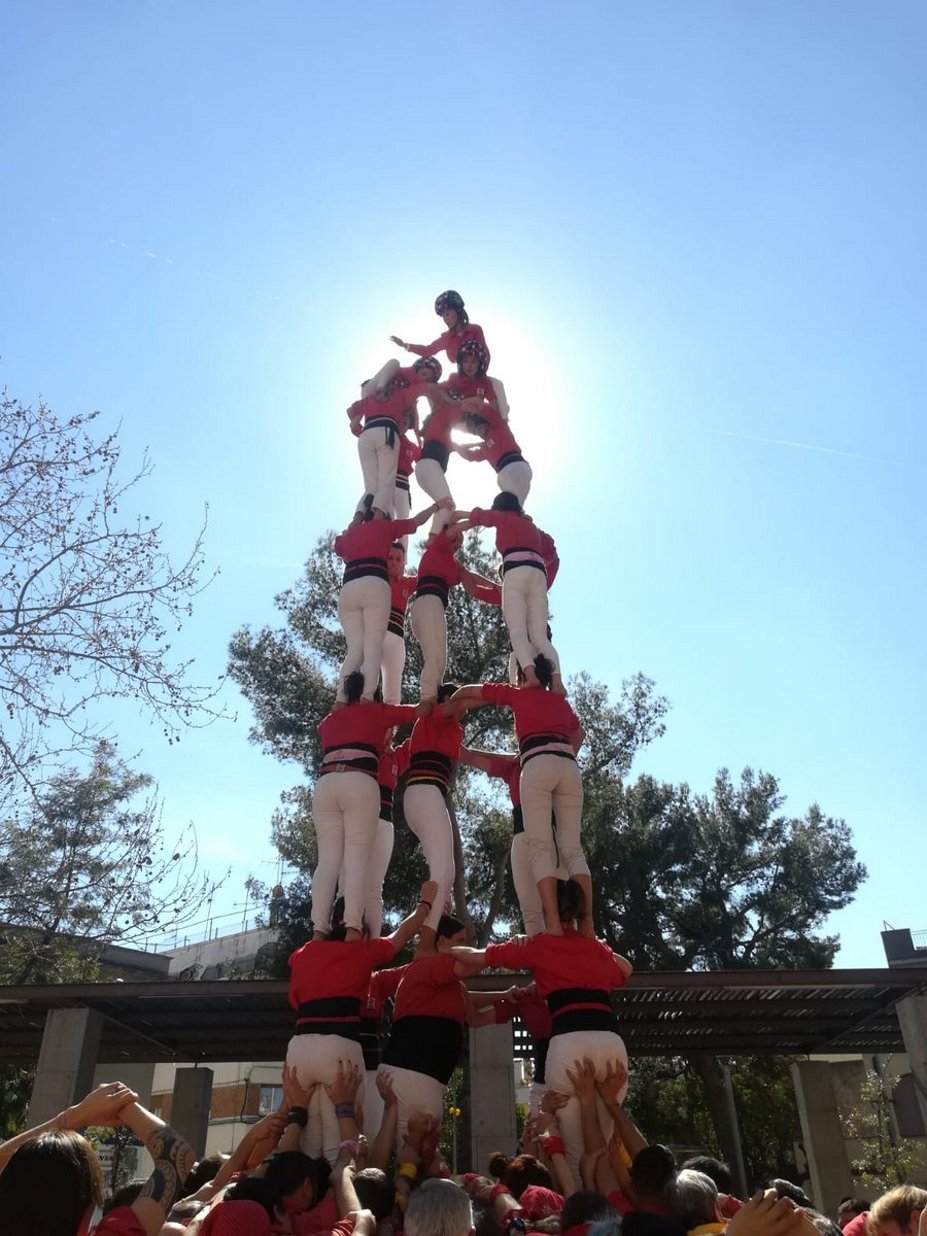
x=288 y=1169
x=571 y=901
x=257 y=1189
x=186 y=1208
x=714 y=1169
x=446 y=690
x=544 y=668
x=827 y=1227
x=585 y=1206
x=375 y=1191
x=398 y=545
x=507 y=502
x=498 y=1162
x=353 y=686
x=785 y=1188
x=448 y=926
x=49 y=1184
x=202 y=1172
x=853 y=1206
x=125 y=1196
x=525 y=1170
x=653 y=1168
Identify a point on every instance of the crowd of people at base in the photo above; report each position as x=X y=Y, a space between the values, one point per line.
x=51 y=1181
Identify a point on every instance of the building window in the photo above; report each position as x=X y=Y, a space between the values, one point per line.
x=269 y=1099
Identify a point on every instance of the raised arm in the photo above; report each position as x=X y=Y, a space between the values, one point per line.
x=479 y=587
x=173 y=1159
x=100 y=1107
x=462 y=700
x=410 y=925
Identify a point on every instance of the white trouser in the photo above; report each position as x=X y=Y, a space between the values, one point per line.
x=316 y=1058
x=381 y=851
x=345 y=811
x=402 y=509
x=429 y=626
x=515 y=478
x=415 y=1092
x=392 y=663
x=501 y=402
x=601 y=1047
x=373 y=1106
x=378 y=464
x=426 y=814
x=524 y=608
x=433 y=480
x=526 y=888
x=363 y=609
x=553 y=784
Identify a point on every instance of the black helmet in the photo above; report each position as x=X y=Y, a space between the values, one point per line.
x=449 y=300
x=473 y=347
x=429 y=362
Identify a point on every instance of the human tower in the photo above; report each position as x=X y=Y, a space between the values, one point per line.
x=361 y=765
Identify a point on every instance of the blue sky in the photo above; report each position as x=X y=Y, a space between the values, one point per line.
x=692 y=233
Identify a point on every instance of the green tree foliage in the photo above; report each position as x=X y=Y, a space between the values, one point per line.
x=681 y=881
x=88 y=597
x=888 y=1159
x=288 y=677
x=82 y=866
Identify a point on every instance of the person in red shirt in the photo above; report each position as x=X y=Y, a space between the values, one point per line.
x=346 y=802
x=431 y=466
x=576 y=975
x=438 y=573
x=378 y=421
x=426 y=1036
x=513 y=472
x=433 y=749
x=364 y=599
x=549 y=735
x=507 y=768
x=525 y=550
x=450 y=307
x=471 y=384
x=329 y=981
x=393 y=658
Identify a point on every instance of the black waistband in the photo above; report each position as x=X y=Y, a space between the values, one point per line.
x=509 y=457
x=332 y=1015
x=384 y=422
x=581 y=1008
x=433 y=586
x=437 y=451
x=535 y=744
x=429 y=1045
x=511 y=565
x=364 y=763
x=430 y=768
x=402 y=481
x=397 y=622
x=360 y=568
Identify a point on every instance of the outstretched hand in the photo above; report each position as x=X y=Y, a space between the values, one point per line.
x=614 y=1081
x=346 y=1084
x=101 y=1106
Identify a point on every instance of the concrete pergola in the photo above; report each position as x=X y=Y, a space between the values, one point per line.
x=69 y=1030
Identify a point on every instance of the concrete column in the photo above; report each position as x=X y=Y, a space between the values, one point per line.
x=822 y=1134
x=190 y=1106
x=138 y=1077
x=67 y=1058
x=912 y=1018
x=492 y=1093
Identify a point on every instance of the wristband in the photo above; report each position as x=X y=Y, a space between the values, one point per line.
x=409 y=1170
x=344 y=1111
x=422 y=901
x=298 y=1115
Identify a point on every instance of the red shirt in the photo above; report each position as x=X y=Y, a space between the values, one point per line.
x=499 y=440
x=450 y=342
x=364 y=722
x=372 y=539
x=393 y=763
x=121 y=1221
x=513 y=531
x=438 y=560
x=321 y=1218
x=459 y=386
x=436 y=733
x=430 y=988
x=409 y=451
x=535 y=710
x=383 y=985
x=394 y=407
x=439 y=425
x=559 y=962
x=508 y=769
x=323 y=968
x=400 y=590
